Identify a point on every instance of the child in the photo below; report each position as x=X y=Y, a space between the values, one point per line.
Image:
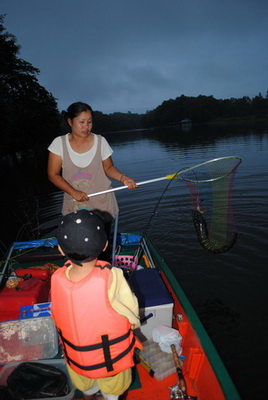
x=94 y=310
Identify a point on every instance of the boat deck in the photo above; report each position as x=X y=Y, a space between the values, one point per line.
x=201 y=365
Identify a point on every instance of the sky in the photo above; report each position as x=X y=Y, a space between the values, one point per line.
x=131 y=55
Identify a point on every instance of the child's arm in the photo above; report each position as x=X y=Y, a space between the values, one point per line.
x=122 y=299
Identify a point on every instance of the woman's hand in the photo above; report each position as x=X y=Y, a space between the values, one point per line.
x=54 y=175
x=112 y=172
x=79 y=196
x=129 y=182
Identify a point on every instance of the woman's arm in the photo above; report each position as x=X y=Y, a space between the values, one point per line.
x=54 y=175
x=112 y=172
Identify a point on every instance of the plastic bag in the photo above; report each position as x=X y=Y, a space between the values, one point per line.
x=165 y=337
x=32 y=380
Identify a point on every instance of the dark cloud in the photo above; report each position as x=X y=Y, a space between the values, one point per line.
x=130 y=56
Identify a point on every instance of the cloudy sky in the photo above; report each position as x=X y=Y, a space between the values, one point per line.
x=131 y=55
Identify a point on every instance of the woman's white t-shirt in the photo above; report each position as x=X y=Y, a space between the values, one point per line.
x=81 y=160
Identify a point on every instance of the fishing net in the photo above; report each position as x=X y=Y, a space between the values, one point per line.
x=210 y=187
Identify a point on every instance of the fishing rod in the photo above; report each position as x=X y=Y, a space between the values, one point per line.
x=142 y=241
x=182 y=384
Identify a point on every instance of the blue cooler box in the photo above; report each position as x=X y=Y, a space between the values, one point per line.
x=155 y=301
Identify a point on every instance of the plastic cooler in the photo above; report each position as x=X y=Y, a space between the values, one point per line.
x=28 y=339
x=155 y=301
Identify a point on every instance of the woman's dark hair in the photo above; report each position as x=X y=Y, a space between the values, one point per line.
x=76 y=108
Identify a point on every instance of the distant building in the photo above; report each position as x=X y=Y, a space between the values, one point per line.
x=186 y=121
x=186 y=125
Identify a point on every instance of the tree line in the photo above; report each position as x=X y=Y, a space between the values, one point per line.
x=204 y=109
x=30 y=115
x=28 y=110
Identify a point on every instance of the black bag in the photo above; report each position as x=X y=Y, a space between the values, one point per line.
x=5 y=394
x=31 y=380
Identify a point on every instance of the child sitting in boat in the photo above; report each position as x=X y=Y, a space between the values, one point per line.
x=94 y=310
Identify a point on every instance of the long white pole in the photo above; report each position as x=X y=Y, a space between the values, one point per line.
x=125 y=187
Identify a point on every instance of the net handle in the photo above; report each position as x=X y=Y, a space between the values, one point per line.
x=177 y=175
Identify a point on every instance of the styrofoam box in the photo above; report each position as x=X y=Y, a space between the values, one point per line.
x=58 y=363
x=155 y=301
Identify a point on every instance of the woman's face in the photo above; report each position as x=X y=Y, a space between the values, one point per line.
x=82 y=124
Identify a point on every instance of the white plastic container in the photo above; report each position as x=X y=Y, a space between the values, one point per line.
x=158 y=315
x=58 y=363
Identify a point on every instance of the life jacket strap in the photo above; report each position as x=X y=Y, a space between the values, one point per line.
x=94 y=346
x=108 y=363
x=109 y=266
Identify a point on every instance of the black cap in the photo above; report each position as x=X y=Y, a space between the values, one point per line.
x=81 y=235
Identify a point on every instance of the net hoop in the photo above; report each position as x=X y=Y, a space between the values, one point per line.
x=236 y=160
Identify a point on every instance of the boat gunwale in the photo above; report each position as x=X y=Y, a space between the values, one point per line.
x=216 y=362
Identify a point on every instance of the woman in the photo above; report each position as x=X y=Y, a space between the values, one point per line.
x=80 y=163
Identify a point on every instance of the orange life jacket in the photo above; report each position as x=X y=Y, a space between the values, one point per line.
x=97 y=341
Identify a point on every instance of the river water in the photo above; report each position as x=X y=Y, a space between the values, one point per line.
x=229 y=290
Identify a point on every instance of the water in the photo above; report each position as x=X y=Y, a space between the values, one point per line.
x=228 y=290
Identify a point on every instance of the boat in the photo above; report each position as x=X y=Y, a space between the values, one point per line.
x=187 y=368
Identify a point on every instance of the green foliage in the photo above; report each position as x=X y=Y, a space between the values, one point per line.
x=199 y=109
x=116 y=121
x=203 y=109
x=108 y=122
x=28 y=112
